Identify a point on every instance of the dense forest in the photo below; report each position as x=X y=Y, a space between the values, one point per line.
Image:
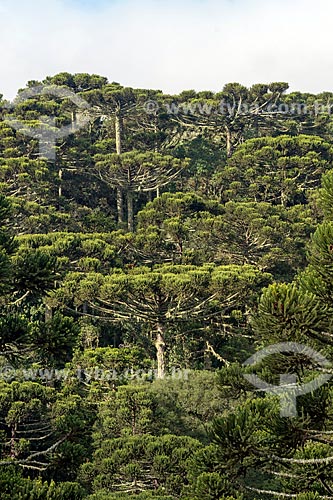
x=167 y=240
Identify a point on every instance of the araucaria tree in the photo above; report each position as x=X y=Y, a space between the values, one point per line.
x=165 y=296
x=137 y=172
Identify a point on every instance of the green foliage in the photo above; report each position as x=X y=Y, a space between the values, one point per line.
x=286 y=314
x=193 y=230
x=116 y=364
x=34 y=272
x=279 y=170
x=212 y=486
x=14 y=486
x=140 y=463
x=15 y=335
x=132 y=410
x=188 y=402
x=56 y=339
x=164 y=296
x=89 y=307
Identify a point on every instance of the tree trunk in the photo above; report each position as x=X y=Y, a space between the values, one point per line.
x=160 y=351
x=48 y=313
x=155 y=131
x=118 y=126
x=73 y=120
x=13 y=441
x=130 y=212
x=60 y=172
x=120 y=206
x=207 y=360
x=120 y=197
x=284 y=199
x=228 y=141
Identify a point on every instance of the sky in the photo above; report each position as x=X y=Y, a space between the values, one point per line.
x=170 y=45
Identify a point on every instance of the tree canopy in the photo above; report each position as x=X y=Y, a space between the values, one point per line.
x=174 y=249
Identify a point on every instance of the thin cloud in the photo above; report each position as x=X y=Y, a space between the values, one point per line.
x=168 y=44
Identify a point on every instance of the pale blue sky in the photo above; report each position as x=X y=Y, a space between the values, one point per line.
x=91 y=4
x=169 y=44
